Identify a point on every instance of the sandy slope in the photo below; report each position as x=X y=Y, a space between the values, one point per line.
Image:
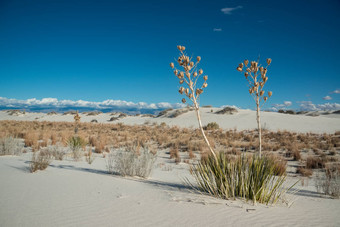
x=72 y=193
x=244 y=119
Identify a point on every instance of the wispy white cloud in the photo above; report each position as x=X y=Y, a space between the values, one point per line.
x=53 y=103
x=310 y=106
x=284 y=105
x=217 y=29
x=327 y=97
x=229 y=10
x=336 y=91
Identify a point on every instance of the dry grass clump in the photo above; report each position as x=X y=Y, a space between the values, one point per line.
x=304 y=171
x=315 y=162
x=40 y=160
x=11 y=146
x=57 y=151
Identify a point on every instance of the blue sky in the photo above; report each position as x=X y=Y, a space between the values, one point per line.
x=121 y=50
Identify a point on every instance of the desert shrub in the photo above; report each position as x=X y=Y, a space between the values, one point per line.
x=11 y=146
x=128 y=163
x=211 y=126
x=89 y=156
x=227 y=110
x=315 y=163
x=40 y=160
x=304 y=171
x=329 y=183
x=76 y=145
x=57 y=151
x=251 y=178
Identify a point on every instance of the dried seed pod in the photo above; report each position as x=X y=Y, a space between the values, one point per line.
x=187 y=74
x=191 y=64
x=205 y=85
x=261 y=69
x=265 y=98
x=265 y=79
x=198 y=58
x=183 y=48
x=246 y=74
x=176 y=71
x=188 y=68
x=200 y=72
x=190 y=96
x=187 y=91
x=250 y=91
x=205 y=78
x=248 y=70
x=181 y=90
x=181 y=81
x=270 y=93
x=261 y=84
x=172 y=65
x=239 y=69
x=179 y=47
x=183 y=100
x=256 y=84
x=269 y=60
x=246 y=62
x=240 y=65
x=199 y=91
x=261 y=93
x=195 y=74
x=181 y=75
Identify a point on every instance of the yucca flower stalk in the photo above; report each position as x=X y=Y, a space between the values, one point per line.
x=77 y=121
x=256 y=75
x=189 y=78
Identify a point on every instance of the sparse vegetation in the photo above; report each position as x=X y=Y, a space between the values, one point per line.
x=40 y=160
x=329 y=183
x=11 y=146
x=129 y=163
x=211 y=126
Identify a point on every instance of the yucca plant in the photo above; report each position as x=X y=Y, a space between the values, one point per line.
x=189 y=78
x=248 y=177
x=256 y=75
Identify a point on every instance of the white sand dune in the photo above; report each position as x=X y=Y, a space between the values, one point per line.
x=243 y=120
x=72 y=193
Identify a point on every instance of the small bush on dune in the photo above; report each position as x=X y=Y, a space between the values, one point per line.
x=251 y=178
x=57 y=151
x=76 y=145
x=329 y=183
x=11 y=146
x=211 y=126
x=129 y=163
x=40 y=160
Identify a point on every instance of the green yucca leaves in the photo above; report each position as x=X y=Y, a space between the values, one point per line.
x=248 y=177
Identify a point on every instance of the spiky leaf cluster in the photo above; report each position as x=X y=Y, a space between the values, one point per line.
x=256 y=76
x=188 y=76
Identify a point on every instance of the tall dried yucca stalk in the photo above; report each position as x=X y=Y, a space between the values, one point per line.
x=188 y=78
x=256 y=75
x=76 y=120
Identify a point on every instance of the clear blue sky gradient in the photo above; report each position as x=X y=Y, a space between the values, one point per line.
x=98 y=50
